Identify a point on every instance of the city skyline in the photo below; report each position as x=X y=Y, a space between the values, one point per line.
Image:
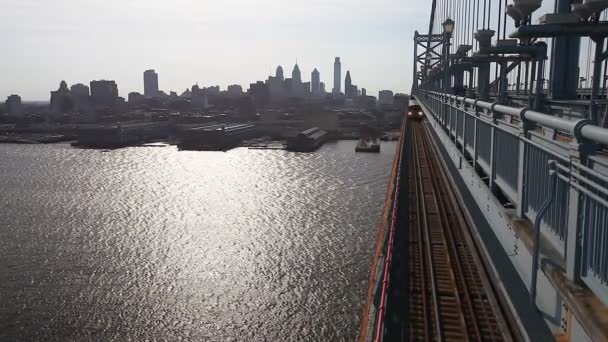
x=67 y=42
x=151 y=86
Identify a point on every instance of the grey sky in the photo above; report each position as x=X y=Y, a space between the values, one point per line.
x=209 y=42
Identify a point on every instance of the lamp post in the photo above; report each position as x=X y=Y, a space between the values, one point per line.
x=448 y=29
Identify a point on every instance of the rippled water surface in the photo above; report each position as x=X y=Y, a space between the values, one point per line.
x=152 y=244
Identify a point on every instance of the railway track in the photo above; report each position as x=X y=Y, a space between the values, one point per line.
x=450 y=298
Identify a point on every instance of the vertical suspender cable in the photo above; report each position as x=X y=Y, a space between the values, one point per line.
x=484 y=13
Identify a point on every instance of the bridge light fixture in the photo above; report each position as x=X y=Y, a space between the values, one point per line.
x=448 y=26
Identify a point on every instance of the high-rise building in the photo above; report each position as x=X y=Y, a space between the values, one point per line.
x=316 y=82
x=80 y=94
x=136 y=98
x=363 y=92
x=150 y=83
x=212 y=91
x=296 y=87
x=13 y=105
x=400 y=102
x=61 y=99
x=79 y=89
x=322 y=86
x=279 y=73
x=305 y=89
x=348 y=84
x=260 y=93
x=296 y=75
x=199 y=98
x=385 y=97
x=337 y=76
x=276 y=87
x=235 y=90
x=104 y=93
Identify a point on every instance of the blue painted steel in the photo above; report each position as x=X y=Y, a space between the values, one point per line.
x=537 y=226
x=506 y=132
x=507 y=164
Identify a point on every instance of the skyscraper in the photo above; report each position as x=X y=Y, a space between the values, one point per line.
x=13 y=105
x=104 y=93
x=296 y=87
x=80 y=94
x=385 y=97
x=316 y=82
x=348 y=85
x=296 y=75
x=279 y=74
x=260 y=93
x=150 y=83
x=337 y=76
x=61 y=99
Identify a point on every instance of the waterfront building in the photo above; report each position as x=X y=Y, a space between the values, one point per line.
x=104 y=93
x=199 y=97
x=13 y=105
x=61 y=99
x=150 y=83
x=136 y=98
x=80 y=90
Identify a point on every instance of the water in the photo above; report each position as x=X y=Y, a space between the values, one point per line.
x=152 y=244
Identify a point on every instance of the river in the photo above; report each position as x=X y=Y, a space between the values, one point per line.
x=156 y=244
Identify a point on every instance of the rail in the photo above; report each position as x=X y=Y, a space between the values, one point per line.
x=374 y=314
x=443 y=263
x=510 y=148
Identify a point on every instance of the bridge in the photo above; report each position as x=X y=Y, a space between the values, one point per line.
x=496 y=218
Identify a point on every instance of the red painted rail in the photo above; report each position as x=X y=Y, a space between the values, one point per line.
x=391 y=236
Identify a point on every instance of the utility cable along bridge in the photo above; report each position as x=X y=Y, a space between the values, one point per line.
x=496 y=219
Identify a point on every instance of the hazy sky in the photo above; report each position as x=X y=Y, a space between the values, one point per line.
x=210 y=42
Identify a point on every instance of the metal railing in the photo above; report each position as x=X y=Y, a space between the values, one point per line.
x=376 y=315
x=511 y=147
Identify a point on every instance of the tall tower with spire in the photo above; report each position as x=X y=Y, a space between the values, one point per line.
x=316 y=82
x=348 y=85
x=296 y=75
x=279 y=73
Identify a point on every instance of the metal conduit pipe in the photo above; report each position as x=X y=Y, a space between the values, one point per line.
x=552 y=121
x=537 y=224
x=595 y=133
